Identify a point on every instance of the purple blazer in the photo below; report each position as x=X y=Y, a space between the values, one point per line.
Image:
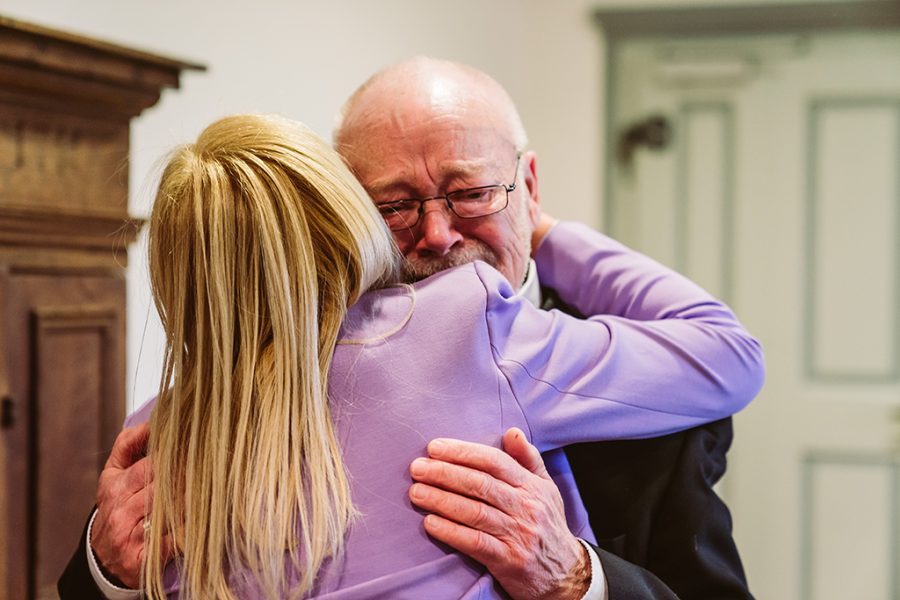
x=460 y=355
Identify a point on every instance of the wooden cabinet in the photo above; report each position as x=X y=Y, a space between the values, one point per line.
x=65 y=107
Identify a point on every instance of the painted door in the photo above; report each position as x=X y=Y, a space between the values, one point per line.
x=779 y=190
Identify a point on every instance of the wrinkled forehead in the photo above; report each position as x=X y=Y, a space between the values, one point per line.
x=400 y=146
x=434 y=157
x=426 y=113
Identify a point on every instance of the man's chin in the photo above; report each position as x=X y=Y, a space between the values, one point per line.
x=417 y=269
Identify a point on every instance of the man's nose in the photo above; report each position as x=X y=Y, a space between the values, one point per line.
x=438 y=233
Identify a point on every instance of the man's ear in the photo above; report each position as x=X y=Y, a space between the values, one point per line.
x=529 y=161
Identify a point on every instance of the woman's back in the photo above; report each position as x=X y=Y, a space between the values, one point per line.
x=459 y=355
x=393 y=389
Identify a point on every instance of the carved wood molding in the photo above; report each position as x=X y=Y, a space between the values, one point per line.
x=51 y=159
x=65 y=227
x=81 y=74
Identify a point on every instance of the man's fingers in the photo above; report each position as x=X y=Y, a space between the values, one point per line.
x=465 y=481
x=460 y=509
x=139 y=475
x=480 y=546
x=167 y=546
x=118 y=485
x=139 y=505
x=517 y=446
x=136 y=536
x=129 y=447
x=480 y=457
x=119 y=522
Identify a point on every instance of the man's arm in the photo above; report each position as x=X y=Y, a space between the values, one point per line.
x=83 y=578
x=76 y=582
x=124 y=496
x=653 y=503
x=504 y=511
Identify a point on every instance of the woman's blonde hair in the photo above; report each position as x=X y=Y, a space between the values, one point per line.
x=260 y=239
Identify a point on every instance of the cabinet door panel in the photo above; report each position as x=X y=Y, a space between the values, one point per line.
x=65 y=370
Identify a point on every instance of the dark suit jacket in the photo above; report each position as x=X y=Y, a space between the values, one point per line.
x=76 y=582
x=651 y=502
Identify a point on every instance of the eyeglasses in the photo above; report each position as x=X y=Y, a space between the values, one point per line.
x=470 y=203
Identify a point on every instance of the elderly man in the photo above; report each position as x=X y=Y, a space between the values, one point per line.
x=420 y=135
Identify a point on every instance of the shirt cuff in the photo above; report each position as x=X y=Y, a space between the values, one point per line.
x=599 y=589
x=107 y=589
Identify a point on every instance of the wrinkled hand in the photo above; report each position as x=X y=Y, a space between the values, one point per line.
x=124 y=497
x=504 y=511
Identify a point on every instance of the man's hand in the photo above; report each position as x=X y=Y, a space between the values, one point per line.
x=124 y=497
x=504 y=511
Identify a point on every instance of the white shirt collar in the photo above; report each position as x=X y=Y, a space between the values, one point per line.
x=531 y=287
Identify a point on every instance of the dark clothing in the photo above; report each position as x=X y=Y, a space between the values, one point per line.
x=651 y=502
x=76 y=582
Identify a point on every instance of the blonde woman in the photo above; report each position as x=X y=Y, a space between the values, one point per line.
x=300 y=380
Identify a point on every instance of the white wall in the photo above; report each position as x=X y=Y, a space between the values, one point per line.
x=303 y=58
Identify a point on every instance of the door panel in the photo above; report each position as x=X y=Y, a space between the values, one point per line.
x=65 y=353
x=780 y=194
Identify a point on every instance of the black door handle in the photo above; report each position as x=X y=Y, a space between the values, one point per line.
x=7 y=412
x=654 y=132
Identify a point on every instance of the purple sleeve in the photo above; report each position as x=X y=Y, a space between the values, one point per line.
x=142 y=414
x=668 y=356
x=599 y=276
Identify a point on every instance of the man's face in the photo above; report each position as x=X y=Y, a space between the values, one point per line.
x=420 y=153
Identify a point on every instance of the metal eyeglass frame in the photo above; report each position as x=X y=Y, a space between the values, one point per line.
x=448 y=199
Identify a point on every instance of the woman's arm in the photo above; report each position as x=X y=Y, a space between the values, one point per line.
x=664 y=357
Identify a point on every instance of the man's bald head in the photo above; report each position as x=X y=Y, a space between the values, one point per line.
x=428 y=84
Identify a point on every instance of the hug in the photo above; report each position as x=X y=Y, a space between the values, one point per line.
x=389 y=374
